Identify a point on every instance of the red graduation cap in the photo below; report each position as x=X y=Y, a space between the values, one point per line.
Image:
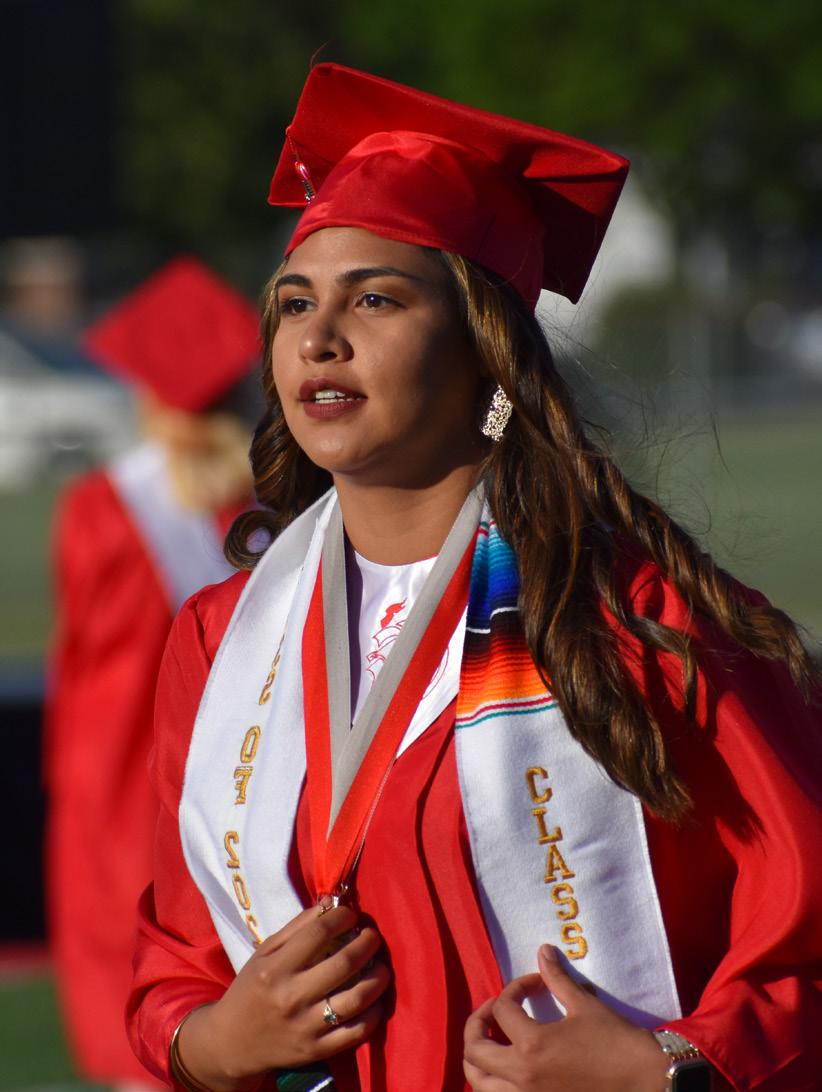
x=527 y=203
x=184 y=335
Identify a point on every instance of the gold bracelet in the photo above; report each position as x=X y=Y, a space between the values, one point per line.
x=178 y=1071
x=177 y=1068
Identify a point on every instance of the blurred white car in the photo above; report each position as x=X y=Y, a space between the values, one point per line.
x=55 y=421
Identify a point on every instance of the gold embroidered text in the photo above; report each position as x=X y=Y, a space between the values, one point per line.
x=556 y=873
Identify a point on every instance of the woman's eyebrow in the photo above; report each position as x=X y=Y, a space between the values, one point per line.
x=354 y=276
x=292 y=278
x=350 y=277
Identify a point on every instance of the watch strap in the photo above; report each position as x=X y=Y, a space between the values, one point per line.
x=685 y=1062
x=676 y=1046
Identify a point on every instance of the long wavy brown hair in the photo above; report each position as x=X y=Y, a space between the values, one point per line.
x=566 y=509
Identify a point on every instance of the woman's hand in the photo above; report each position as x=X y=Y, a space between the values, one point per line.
x=592 y=1047
x=271 y=1016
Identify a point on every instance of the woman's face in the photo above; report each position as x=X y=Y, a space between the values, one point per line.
x=375 y=375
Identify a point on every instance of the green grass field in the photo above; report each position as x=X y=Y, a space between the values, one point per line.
x=33 y=1055
x=752 y=494
x=25 y=596
x=767 y=511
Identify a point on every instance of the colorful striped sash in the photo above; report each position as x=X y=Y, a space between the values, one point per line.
x=498 y=676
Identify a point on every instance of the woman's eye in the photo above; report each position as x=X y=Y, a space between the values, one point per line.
x=373 y=301
x=296 y=305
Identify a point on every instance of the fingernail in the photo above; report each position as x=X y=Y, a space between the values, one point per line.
x=549 y=952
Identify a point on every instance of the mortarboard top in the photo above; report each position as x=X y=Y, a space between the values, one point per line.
x=184 y=334
x=530 y=204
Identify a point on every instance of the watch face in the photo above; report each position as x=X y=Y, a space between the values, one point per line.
x=692 y=1076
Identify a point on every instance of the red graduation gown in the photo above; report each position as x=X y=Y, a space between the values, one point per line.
x=113 y=618
x=739 y=885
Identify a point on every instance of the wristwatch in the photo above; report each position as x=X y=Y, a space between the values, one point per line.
x=688 y=1070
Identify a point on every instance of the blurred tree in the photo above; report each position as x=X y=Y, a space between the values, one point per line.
x=722 y=103
x=207 y=88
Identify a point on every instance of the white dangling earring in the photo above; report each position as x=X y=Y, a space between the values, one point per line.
x=498 y=416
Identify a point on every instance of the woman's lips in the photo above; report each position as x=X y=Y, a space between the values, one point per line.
x=325 y=398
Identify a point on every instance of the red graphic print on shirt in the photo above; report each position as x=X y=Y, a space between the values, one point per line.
x=391 y=624
x=386 y=635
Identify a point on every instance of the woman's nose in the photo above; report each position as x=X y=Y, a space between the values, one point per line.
x=322 y=339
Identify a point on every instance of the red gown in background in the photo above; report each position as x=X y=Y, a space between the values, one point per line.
x=739 y=884
x=113 y=618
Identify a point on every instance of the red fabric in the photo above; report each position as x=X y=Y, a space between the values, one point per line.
x=184 y=335
x=739 y=887
x=179 y=962
x=420 y=169
x=112 y=622
x=426 y=908
x=335 y=855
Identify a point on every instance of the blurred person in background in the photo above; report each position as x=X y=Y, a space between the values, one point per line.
x=485 y=774
x=131 y=542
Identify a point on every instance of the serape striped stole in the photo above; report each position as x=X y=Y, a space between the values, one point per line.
x=498 y=676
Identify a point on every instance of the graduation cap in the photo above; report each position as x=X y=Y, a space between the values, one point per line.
x=527 y=203
x=184 y=335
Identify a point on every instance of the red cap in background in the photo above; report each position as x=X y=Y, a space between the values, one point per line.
x=184 y=334
x=527 y=203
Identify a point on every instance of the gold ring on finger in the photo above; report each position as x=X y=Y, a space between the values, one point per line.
x=329 y=1016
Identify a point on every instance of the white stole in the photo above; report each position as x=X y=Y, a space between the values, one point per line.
x=246 y=766
x=184 y=546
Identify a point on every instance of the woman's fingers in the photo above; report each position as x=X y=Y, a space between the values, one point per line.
x=559 y=1050
x=349 y=1003
x=508 y=1013
x=349 y=1035
x=483 y=1055
x=480 y=1023
x=571 y=995
x=358 y=1010
x=277 y=940
x=307 y=938
x=272 y=1013
x=484 y=1082
x=312 y=964
x=486 y=1056
x=340 y=967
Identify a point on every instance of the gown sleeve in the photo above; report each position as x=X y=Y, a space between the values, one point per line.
x=179 y=961
x=111 y=623
x=752 y=763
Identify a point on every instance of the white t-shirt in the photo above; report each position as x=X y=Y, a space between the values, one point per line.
x=380 y=598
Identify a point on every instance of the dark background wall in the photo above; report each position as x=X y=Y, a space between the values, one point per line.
x=56 y=87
